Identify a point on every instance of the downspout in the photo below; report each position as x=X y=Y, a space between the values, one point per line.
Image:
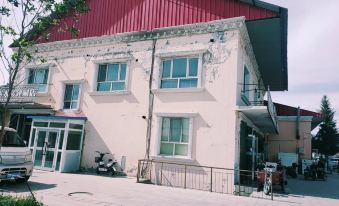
x=150 y=103
x=298 y=124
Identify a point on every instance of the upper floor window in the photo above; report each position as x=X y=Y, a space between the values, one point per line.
x=175 y=139
x=38 y=77
x=180 y=73
x=112 y=77
x=72 y=95
x=246 y=84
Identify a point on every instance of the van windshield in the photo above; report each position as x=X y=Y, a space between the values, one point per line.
x=12 y=139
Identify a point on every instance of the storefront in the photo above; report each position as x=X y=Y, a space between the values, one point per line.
x=56 y=142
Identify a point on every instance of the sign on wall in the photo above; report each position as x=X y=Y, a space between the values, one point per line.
x=20 y=94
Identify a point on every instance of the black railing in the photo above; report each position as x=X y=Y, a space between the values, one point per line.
x=213 y=179
x=271 y=108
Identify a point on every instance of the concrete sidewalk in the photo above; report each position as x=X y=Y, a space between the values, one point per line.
x=54 y=189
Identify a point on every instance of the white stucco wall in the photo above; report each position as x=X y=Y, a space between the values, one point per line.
x=115 y=122
x=214 y=120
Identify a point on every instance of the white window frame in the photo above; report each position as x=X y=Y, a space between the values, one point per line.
x=190 y=135
x=28 y=69
x=95 y=92
x=199 y=72
x=64 y=91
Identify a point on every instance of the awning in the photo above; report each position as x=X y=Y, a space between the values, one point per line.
x=260 y=117
x=269 y=41
x=29 y=108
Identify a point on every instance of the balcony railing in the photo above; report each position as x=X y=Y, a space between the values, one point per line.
x=271 y=108
x=20 y=94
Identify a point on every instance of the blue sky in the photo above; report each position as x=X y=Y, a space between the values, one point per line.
x=313 y=57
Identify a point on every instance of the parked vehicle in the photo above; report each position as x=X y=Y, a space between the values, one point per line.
x=268 y=182
x=272 y=174
x=315 y=171
x=310 y=173
x=333 y=163
x=109 y=168
x=15 y=158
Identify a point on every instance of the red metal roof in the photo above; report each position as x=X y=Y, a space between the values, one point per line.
x=109 y=17
x=285 y=110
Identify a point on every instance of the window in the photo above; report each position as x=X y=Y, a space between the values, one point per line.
x=180 y=73
x=73 y=140
x=111 y=77
x=71 y=98
x=175 y=136
x=246 y=84
x=39 y=77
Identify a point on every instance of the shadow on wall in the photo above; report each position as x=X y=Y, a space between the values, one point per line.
x=199 y=123
x=89 y=150
x=115 y=98
x=185 y=97
x=111 y=97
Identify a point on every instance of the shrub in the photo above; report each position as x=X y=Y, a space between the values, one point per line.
x=18 y=201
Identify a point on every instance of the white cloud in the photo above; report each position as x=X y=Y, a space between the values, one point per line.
x=313 y=60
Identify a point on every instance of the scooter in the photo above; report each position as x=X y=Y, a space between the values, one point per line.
x=268 y=181
x=105 y=168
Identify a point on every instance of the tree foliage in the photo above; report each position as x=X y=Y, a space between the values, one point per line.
x=327 y=137
x=26 y=23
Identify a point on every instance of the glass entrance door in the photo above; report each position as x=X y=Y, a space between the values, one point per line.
x=45 y=149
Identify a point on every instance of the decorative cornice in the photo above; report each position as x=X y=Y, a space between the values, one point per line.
x=237 y=23
x=168 y=32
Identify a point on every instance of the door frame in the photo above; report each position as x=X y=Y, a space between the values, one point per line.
x=55 y=149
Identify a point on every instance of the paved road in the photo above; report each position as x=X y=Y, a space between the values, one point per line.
x=54 y=190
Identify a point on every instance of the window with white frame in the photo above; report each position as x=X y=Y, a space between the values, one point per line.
x=175 y=136
x=38 y=77
x=112 y=77
x=71 y=97
x=180 y=73
x=246 y=84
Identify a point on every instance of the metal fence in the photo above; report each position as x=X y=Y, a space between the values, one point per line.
x=212 y=179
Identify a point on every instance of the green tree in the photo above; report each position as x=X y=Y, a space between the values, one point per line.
x=25 y=23
x=327 y=136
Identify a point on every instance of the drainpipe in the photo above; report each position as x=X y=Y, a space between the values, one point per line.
x=298 y=124
x=150 y=104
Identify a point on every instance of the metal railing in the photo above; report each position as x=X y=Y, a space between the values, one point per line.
x=212 y=179
x=271 y=108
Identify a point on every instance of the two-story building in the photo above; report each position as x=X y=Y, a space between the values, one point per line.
x=180 y=81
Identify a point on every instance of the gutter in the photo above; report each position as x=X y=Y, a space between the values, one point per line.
x=263 y=5
x=284 y=34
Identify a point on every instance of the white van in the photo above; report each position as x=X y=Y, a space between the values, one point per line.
x=15 y=158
